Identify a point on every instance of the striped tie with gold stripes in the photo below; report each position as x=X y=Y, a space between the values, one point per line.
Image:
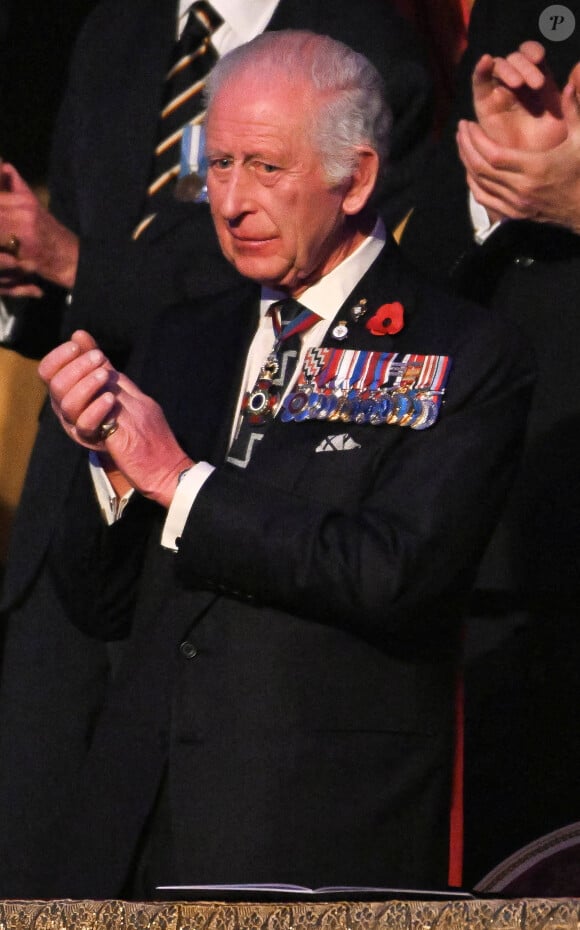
x=194 y=57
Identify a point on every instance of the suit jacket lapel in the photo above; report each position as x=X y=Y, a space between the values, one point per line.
x=148 y=81
x=384 y=282
x=145 y=48
x=200 y=402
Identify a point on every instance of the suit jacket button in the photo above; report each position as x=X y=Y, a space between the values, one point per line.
x=187 y=649
x=524 y=261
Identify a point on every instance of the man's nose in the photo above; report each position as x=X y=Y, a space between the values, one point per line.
x=237 y=199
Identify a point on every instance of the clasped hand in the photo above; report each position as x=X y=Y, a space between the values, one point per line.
x=522 y=157
x=43 y=248
x=86 y=391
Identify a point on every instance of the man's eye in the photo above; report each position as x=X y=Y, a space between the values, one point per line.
x=267 y=168
x=220 y=163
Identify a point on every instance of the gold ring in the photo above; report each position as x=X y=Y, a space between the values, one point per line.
x=11 y=246
x=107 y=429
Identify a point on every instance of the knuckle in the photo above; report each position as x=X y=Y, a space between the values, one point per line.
x=68 y=409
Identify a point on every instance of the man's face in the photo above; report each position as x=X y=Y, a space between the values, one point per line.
x=277 y=218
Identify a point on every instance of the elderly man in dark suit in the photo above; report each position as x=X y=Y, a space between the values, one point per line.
x=288 y=551
x=101 y=166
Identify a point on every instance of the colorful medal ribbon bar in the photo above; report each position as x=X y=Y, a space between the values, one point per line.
x=355 y=386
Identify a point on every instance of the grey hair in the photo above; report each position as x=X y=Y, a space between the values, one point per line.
x=351 y=110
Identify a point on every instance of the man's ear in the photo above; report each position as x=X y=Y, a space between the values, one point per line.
x=362 y=182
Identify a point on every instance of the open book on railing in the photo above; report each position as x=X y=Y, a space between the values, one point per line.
x=273 y=892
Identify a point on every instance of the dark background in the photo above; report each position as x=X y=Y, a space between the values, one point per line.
x=36 y=38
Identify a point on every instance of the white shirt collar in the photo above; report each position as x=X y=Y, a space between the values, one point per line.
x=327 y=296
x=242 y=21
x=247 y=19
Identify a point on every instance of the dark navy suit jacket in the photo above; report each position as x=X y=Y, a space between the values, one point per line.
x=291 y=670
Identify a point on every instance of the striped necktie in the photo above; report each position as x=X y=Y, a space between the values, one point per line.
x=260 y=405
x=193 y=58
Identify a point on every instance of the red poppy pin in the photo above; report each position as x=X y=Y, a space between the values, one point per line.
x=388 y=320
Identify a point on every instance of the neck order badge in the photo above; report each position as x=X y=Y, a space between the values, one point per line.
x=289 y=319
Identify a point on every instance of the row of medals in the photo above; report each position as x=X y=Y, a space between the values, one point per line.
x=403 y=406
x=400 y=406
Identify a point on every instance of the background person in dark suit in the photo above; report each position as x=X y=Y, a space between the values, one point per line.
x=522 y=744
x=285 y=707
x=101 y=165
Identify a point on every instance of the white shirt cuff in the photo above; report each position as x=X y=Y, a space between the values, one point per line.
x=111 y=506
x=7 y=323
x=482 y=227
x=183 y=500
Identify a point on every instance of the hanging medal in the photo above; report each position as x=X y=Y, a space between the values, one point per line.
x=260 y=404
